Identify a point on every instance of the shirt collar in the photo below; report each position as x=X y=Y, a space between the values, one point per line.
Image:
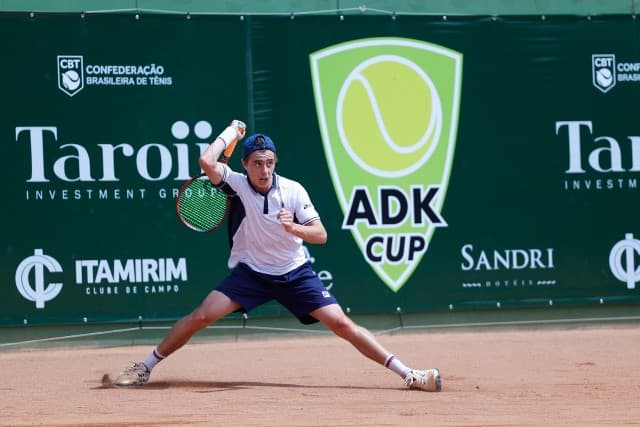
x=274 y=184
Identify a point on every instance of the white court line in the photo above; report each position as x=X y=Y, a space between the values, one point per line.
x=7 y=344
x=385 y=331
x=526 y=322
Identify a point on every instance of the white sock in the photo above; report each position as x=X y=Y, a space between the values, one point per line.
x=153 y=359
x=396 y=365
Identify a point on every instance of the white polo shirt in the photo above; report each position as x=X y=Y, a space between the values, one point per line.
x=260 y=241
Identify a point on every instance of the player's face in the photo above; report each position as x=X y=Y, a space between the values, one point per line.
x=259 y=166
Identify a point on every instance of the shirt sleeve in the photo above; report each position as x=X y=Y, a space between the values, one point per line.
x=231 y=178
x=305 y=211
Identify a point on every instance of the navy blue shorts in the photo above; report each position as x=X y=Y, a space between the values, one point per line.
x=300 y=291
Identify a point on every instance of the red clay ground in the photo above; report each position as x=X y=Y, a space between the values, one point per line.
x=565 y=377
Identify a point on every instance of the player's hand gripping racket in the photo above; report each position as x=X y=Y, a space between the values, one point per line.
x=200 y=205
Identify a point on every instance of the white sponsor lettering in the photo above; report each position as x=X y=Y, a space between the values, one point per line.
x=591 y=154
x=506 y=259
x=103 y=162
x=130 y=271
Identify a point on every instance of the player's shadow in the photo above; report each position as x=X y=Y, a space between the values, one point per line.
x=217 y=386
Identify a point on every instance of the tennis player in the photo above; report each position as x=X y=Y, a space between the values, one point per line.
x=268 y=227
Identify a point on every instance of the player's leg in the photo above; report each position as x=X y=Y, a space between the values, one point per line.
x=215 y=306
x=334 y=318
x=308 y=299
x=337 y=321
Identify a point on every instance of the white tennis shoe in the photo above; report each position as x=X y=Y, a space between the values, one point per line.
x=136 y=374
x=428 y=380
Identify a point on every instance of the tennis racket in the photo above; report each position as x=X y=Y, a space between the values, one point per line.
x=200 y=205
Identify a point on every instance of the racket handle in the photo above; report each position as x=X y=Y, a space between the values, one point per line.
x=226 y=154
x=231 y=135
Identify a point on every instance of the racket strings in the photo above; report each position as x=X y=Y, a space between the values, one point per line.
x=202 y=206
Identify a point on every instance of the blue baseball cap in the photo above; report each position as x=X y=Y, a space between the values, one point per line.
x=257 y=142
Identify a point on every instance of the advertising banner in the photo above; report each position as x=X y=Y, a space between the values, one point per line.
x=462 y=163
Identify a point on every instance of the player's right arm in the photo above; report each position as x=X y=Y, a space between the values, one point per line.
x=225 y=142
x=209 y=161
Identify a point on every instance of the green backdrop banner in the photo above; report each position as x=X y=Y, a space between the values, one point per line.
x=462 y=163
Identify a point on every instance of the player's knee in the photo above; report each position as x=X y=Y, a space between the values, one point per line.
x=199 y=319
x=344 y=327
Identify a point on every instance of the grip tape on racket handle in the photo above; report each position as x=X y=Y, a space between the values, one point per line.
x=229 y=150
x=231 y=135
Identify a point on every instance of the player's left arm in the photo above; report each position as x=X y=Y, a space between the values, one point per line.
x=312 y=232
x=299 y=216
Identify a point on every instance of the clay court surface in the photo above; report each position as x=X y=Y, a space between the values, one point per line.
x=578 y=376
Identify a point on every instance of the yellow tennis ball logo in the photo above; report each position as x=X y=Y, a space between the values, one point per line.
x=389 y=116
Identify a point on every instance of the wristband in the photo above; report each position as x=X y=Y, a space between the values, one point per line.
x=228 y=135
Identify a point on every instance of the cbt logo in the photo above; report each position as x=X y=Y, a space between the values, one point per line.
x=70 y=74
x=622 y=260
x=388 y=114
x=604 y=71
x=32 y=286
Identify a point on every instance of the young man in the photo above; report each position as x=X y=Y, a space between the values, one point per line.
x=268 y=262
